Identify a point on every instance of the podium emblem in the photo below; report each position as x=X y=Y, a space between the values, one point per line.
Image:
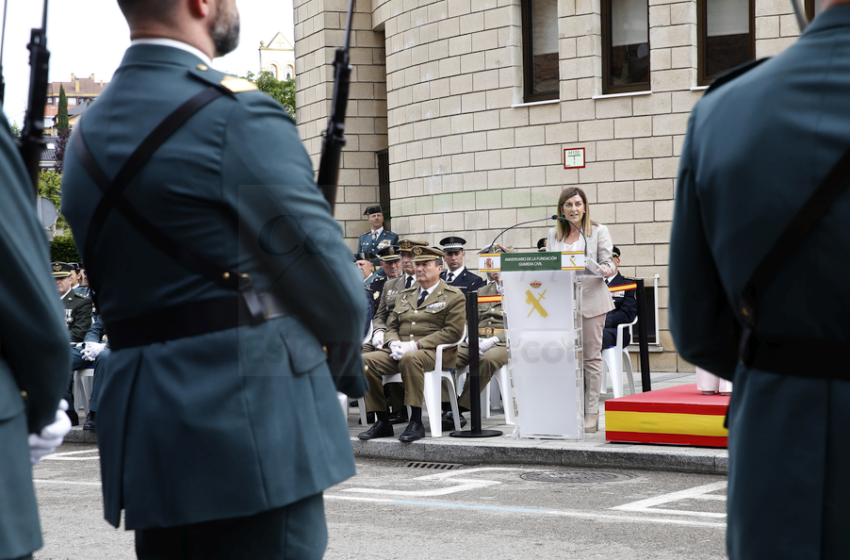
x=489 y=263
x=535 y=303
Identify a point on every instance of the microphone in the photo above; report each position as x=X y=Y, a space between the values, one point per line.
x=553 y=217
x=563 y=220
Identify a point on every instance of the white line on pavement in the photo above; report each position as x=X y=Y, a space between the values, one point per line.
x=461 y=484
x=698 y=493
x=69 y=482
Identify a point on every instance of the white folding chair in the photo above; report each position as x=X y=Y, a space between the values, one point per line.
x=613 y=360
x=83 y=381
x=503 y=377
x=433 y=389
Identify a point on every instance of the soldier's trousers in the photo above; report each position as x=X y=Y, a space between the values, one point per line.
x=412 y=367
x=294 y=532
x=490 y=362
x=394 y=391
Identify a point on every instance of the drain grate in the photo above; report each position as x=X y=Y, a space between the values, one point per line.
x=432 y=466
x=576 y=477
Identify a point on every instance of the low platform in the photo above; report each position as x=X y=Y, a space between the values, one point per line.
x=679 y=415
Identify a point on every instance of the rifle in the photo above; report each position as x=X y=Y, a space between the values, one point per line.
x=2 y=36
x=334 y=138
x=32 y=141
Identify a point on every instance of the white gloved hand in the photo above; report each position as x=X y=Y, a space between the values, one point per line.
x=92 y=349
x=378 y=339
x=395 y=347
x=51 y=436
x=402 y=348
x=485 y=344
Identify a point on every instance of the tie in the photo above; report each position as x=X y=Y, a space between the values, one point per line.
x=374 y=236
x=422 y=297
x=408 y=282
x=451 y=276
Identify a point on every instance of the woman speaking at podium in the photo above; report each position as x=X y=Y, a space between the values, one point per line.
x=573 y=232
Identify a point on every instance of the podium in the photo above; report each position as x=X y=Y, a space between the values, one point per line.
x=542 y=308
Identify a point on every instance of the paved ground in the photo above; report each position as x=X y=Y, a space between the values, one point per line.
x=394 y=511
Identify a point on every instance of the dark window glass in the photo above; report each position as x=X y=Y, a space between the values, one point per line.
x=812 y=9
x=625 y=45
x=540 y=49
x=726 y=36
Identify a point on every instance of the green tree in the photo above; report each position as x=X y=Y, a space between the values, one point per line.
x=62 y=116
x=16 y=130
x=50 y=187
x=281 y=90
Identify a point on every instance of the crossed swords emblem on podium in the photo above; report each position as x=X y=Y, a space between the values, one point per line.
x=535 y=303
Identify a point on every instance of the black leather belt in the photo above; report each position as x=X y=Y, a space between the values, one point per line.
x=193 y=319
x=817 y=359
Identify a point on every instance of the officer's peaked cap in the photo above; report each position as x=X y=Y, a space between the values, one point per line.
x=421 y=254
x=390 y=253
x=408 y=244
x=453 y=243
x=361 y=256
x=61 y=269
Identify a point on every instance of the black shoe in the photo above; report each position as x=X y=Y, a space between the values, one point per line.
x=370 y=418
x=449 y=421
x=414 y=431
x=72 y=415
x=379 y=429
x=353 y=404
x=90 y=425
x=399 y=417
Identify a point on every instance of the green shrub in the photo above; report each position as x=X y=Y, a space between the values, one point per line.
x=63 y=249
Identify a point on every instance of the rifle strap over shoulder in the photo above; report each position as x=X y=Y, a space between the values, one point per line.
x=113 y=199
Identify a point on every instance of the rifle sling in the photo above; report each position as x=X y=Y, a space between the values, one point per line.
x=789 y=241
x=113 y=198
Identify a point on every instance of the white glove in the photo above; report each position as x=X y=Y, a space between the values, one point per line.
x=51 y=436
x=378 y=339
x=485 y=344
x=92 y=349
x=399 y=349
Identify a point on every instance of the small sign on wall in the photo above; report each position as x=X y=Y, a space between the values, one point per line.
x=573 y=158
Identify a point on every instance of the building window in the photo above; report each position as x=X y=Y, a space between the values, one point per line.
x=625 y=45
x=541 y=80
x=290 y=72
x=726 y=36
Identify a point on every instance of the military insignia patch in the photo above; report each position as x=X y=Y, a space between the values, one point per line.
x=618 y=294
x=406 y=245
x=436 y=306
x=237 y=85
x=384 y=243
x=57 y=267
x=417 y=251
x=376 y=295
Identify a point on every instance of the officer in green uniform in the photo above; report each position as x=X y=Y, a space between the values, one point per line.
x=219 y=425
x=491 y=340
x=34 y=363
x=377 y=237
x=78 y=308
x=424 y=317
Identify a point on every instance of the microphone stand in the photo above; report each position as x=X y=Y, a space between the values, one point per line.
x=521 y=224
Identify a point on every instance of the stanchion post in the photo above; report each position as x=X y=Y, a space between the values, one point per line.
x=474 y=373
x=643 y=344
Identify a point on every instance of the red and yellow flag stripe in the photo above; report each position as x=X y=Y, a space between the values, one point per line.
x=623 y=287
x=490 y=299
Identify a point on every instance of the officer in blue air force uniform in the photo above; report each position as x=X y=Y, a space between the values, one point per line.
x=34 y=361
x=377 y=237
x=456 y=274
x=218 y=428
x=789 y=444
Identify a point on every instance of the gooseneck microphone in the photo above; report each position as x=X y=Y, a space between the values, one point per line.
x=566 y=221
x=553 y=217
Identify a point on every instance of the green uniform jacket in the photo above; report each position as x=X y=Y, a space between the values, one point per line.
x=78 y=312
x=234 y=422
x=387 y=301
x=34 y=357
x=440 y=319
x=490 y=314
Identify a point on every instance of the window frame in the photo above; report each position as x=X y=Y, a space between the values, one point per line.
x=607 y=37
x=527 y=63
x=702 y=30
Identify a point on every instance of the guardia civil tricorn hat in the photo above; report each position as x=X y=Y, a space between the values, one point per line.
x=372 y=210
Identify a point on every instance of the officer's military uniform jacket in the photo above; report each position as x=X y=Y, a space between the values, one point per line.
x=34 y=362
x=439 y=320
x=376 y=289
x=239 y=421
x=387 y=301
x=490 y=314
x=78 y=315
x=466 y=281
x=368 y=245
x=625 y=302
x=734 y=197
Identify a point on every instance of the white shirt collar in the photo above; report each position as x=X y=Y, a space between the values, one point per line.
x=456 y=273
x=65 y=294
x=378 y=231
x=428 y=291
x=174 y=44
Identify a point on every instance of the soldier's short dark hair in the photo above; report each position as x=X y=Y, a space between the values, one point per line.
x=155 y=9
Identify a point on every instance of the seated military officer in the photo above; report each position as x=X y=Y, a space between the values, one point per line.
x=377 y=237
x=491 y=341
x=391 y=265
x=457 y=275
x=78 y=307
x=363 y=260
x=624 y=292
x=424 y=317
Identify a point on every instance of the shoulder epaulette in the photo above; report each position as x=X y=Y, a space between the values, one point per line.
x=727 y=77
x=450 y=288
x=79 y=295
x=220 y=79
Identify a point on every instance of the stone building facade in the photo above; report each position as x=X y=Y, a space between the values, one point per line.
x=443 y=87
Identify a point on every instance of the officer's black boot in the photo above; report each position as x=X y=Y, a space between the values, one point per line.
x=90 y=425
